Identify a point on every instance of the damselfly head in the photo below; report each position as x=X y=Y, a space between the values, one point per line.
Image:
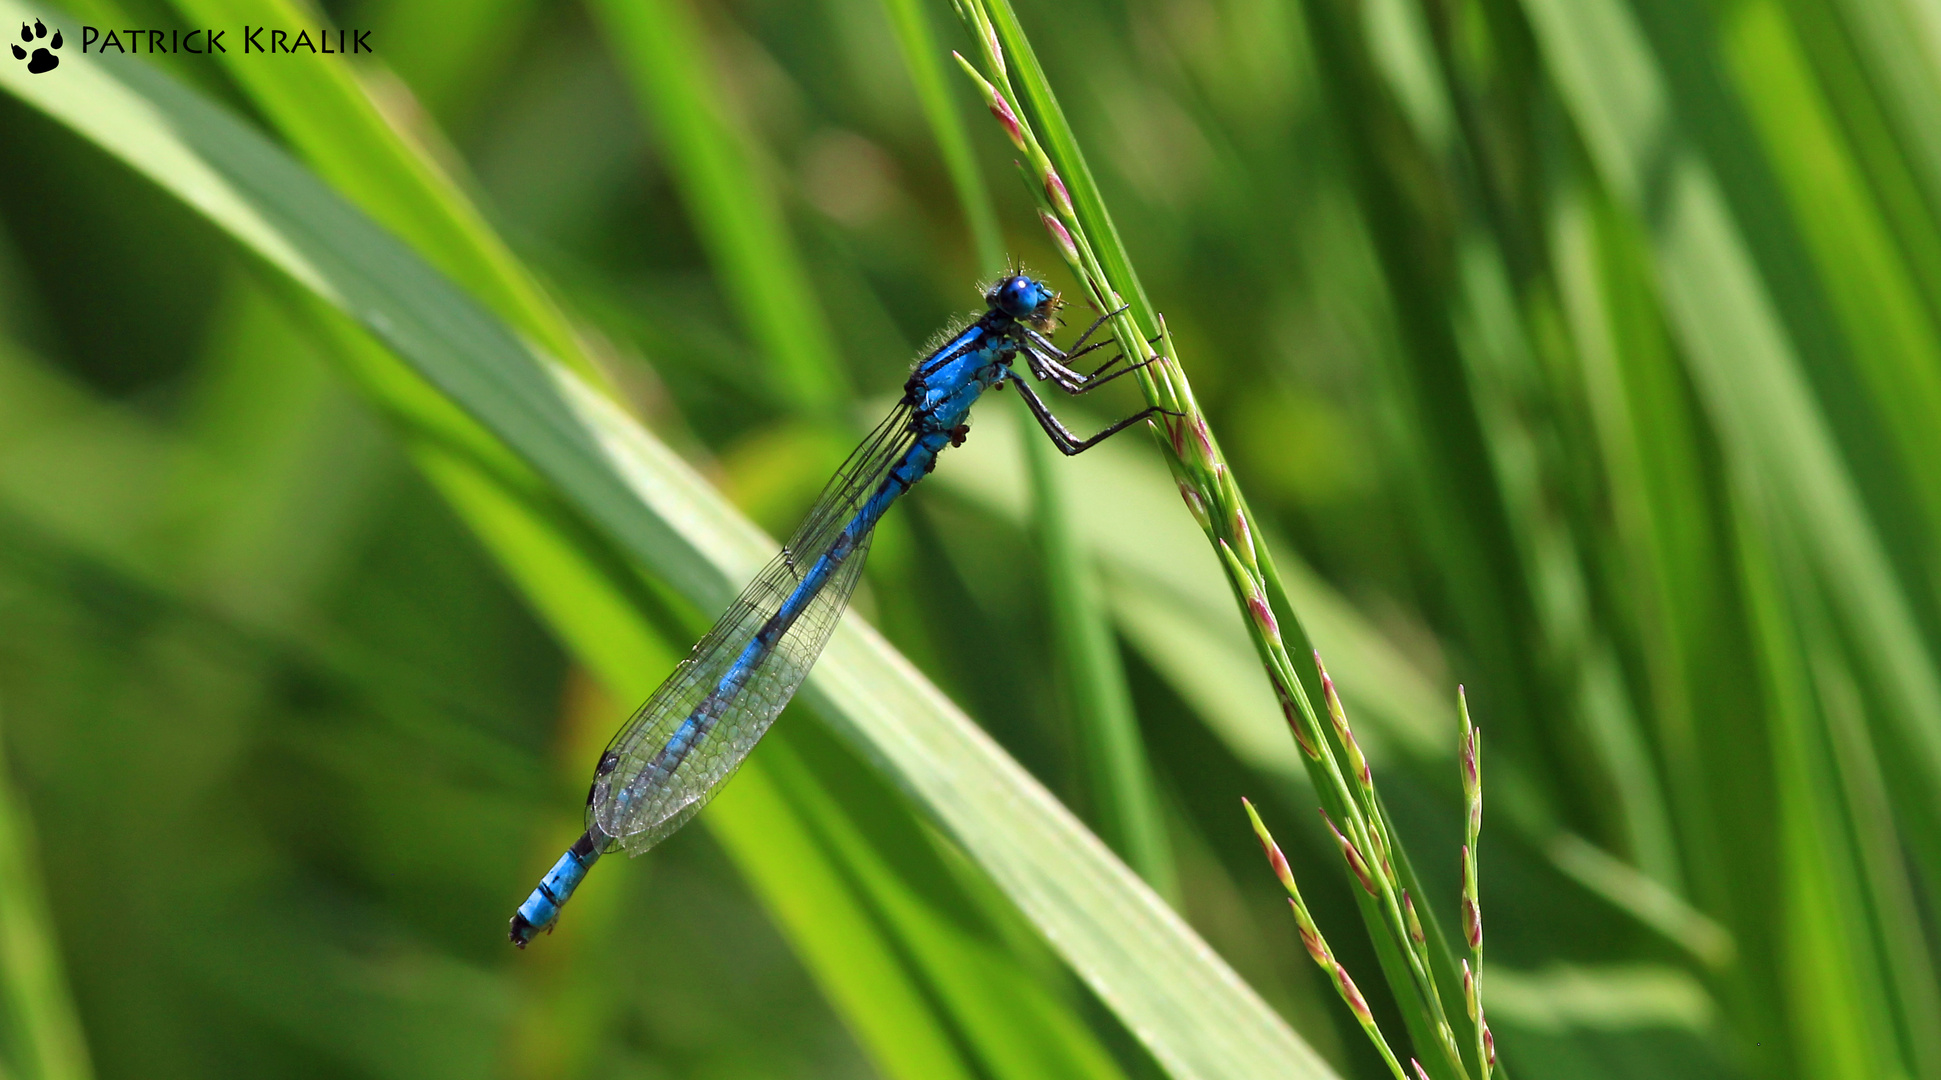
x=1025 y=299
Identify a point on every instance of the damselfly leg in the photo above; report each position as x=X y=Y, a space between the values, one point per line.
x=1079 y=348
x=1071 y=382
x=1048 y=361
x=1062 y=437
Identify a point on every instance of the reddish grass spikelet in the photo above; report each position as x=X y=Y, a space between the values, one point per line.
x=1352 y=995
x=1275 y=860
x=1420 y=1072
x=1195 y=504
x=1311 y=939
x=1060 y=238
x=1007 y=119
x=1209 y=460
x=1355 y=862
x=997 y=51
x=1472 y=779
x=1243 y=538
x=1295 y=724
x=1469 y=990
x=1263 y=614
x=1055 y=193
x=1357 y=762
x=1379 y=849
x=1414 y=923
x=994 y=100
x=1472 y=775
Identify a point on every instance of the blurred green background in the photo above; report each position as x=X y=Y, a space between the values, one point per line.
x=1583 y=352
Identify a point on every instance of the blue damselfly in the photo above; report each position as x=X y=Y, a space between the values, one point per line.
x=692 y=734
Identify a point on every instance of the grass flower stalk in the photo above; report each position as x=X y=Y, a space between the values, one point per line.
x=1374 y=871
x=1081 y=231
x=1470 y=761
x=1317 y=946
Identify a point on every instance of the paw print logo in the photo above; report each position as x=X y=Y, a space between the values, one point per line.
x=44 y=58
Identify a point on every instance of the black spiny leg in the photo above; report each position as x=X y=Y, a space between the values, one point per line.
x=1062 y=437
x=1072 y=382
x=1095 y=381
x=1049 y=362
x=1153 y=340
x=1079 y=344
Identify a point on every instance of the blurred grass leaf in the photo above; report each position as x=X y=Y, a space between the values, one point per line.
x=661 y=48
x=43 y=1037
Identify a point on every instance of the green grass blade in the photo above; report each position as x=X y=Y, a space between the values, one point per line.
x=328 y=119
x=1893 y=346
x=1671 y=506
x=1831 y=980
x=660 y=47
x=1786 y=452
x=1167 y=592
x=1187 y=1006
x=1742 y=358
x=45 y=1041
x=903 y=1032
x=1079 y=182
x=1016 y=1027
x=1125 y=804
x=923 y=60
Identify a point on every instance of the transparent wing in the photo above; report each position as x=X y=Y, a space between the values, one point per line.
x=649 y=785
